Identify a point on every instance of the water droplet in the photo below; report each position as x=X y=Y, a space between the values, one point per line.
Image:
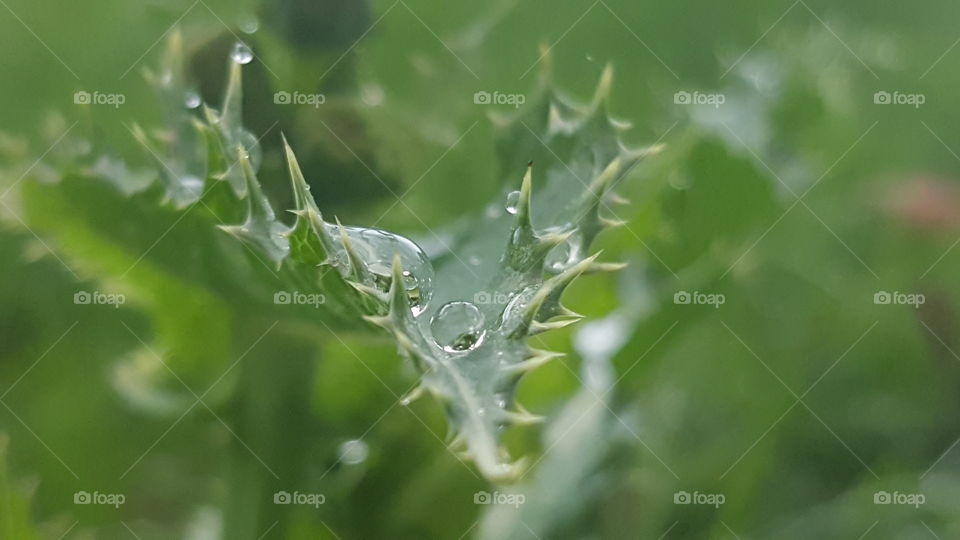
x=513 y=198
x=192 y=183
x=353 y=452
x=558 y=259
x=458 y=326
x=254 y=151
x=191 y=99
x=248 y=24
x=241 y=53
x=377 y=249
x=474 y=260
x=372 y=94
x=513 y=312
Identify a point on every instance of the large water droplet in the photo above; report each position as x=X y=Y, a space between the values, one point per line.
x=377 y=248
x=191 y=99
x=513 y=198
x=353 y=452
x=458 y=326
x=241 y=53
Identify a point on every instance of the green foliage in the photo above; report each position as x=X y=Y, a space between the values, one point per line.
x=15 y=519
x=182 y=210
x=474 y=371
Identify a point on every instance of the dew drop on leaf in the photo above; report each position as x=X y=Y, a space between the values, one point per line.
x=248 y=24
x=513 y=198
x=191 y=99
x=372 y=94
x=353 y=452
x=458 y=326
x=241 y=53
x=377 y=248
x=252 y=145
x=558 y=259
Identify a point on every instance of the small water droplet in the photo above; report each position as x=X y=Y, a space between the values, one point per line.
x=558 y=259
x=248 y=24
x=513 y=311
x=474 y=260
x=241 y=53
x=458 y=326
x=254 y=151
x=372 y=94
x=192 y=183
x=353 y=452
x=513 y=198
x=191 y=99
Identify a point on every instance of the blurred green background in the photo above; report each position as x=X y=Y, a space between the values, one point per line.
x=801 y=400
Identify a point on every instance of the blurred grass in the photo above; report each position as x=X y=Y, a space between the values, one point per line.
x=714 y=391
